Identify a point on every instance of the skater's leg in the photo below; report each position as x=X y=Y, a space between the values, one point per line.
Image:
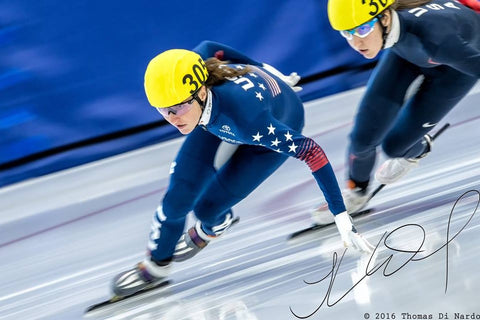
x=378 y=109
x=438 y=94
x=191 y=172
x=408 y=142
x=244 y=172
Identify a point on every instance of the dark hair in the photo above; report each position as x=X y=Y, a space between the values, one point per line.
x=408 y=4
x=218 y=71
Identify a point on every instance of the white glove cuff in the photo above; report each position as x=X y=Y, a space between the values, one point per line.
x=343 y=221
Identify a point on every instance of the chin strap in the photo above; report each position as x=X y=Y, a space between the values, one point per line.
x=384 y=30
x=206 y=107
x=200 y=102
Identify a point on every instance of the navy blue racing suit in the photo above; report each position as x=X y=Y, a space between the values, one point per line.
x=441 y=41
x=261 y=114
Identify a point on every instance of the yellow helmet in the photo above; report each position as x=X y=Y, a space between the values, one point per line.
x=173 y=76
x=349 y=14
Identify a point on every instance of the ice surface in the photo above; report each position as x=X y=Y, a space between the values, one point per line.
x=63 y=237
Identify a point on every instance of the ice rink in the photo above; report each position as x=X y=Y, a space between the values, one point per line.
x=64 y=236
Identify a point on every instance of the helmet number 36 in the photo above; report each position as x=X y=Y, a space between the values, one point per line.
x=376 y=6
x=198 y=76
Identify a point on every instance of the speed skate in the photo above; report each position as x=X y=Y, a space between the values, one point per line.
x=98 y=307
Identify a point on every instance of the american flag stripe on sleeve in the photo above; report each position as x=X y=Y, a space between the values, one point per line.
x=312 y=154
x=271 y=82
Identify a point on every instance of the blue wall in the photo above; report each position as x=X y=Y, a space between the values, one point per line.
x=73 y=70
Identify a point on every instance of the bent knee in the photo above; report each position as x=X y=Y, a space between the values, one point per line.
x=392 y=149
x=178 y=202
x=361 y=145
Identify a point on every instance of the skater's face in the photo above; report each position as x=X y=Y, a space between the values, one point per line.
x=368 y=38
x=187 y=115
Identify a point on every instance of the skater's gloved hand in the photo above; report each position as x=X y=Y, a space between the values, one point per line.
x=349 y=234
x=292 y=79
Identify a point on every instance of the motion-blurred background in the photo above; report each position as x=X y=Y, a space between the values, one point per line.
x=71 y=72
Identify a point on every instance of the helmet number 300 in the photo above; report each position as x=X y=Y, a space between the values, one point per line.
x=375 y=7
x=197 y=77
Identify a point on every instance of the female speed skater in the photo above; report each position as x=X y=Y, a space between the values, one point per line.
x=437 y=41
x=239 y=101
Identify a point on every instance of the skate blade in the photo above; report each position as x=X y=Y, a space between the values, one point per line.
x=316 y=227
x=101 y=306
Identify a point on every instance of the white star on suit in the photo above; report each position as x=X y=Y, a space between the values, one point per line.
x=258 y=95
x=257 y=137
x=262 y=86
x=239 y=67
x=278 y=150
x=288 y=136
x=252 y=74
x=292 y=148
x=271 y=129
x=275 y=142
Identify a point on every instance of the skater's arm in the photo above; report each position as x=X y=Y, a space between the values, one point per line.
x=327 y=182
x=277 y=136
x=460 y=55
x=282 y=138
x=207 y=49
